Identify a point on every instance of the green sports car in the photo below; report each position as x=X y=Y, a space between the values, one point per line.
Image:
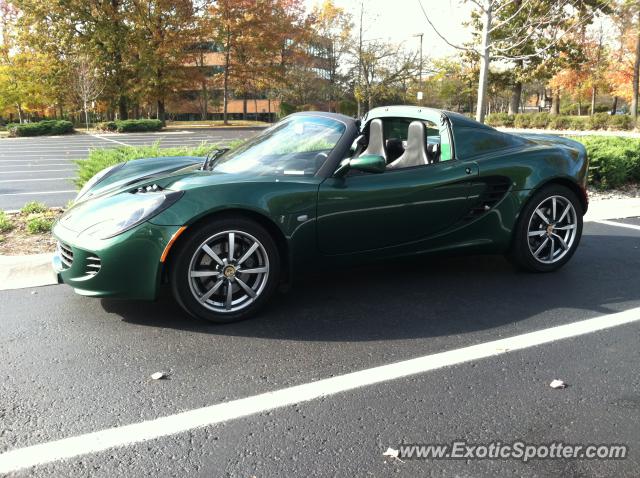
x=321 y=190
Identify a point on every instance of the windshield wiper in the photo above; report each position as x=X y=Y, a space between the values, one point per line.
x=211 y=157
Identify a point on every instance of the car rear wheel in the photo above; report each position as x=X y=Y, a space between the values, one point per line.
x=548 y=231
x=226 y=270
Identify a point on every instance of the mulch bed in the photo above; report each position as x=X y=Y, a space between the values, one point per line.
x=19 y=241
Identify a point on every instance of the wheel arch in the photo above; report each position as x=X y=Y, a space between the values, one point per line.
x=264 y=221
x=580 y=193
x=562 y=181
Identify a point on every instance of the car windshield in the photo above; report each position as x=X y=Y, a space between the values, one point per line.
x=297 y=145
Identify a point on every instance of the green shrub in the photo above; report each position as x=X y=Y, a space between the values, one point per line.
x=107 y=126
x=39 y=224
x=572 y=109
x=46 y=127
x=286 y=108
x=621 y=122
x=6 y=224
x=500 y=119
x=559 y=122
x=540 y=120
x=613 y=161
x=33 y=207
x=599 y=109
x=578 y=123
x=348 y=107
x=598 y=121
x=130 y=126
x=103 y=158
x=522 y=121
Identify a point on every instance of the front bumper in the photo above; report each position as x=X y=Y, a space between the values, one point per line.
x=126 y=266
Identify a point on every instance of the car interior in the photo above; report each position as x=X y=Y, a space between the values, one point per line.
x=402 y=142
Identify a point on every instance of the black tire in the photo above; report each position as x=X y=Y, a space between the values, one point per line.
x=523 y=247
x=191 y=256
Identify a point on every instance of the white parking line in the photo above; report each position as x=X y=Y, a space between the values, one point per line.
x=29 y=180
x=32 y=193
x=34 y=163
x=226 y=411
x=36 y=171
x=619 y=224
x=109 y=139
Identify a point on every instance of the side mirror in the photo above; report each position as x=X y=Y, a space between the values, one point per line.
x=368 y=163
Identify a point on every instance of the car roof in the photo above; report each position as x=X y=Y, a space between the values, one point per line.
x=424 y=113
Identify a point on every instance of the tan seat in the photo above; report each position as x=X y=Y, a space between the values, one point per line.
x=415 y=153
x=376 y=140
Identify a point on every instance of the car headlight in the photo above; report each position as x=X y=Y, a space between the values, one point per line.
x=99 y=176
x=130 y=210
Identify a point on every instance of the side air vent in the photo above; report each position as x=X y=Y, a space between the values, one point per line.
x=93 y=265
x=495 y=189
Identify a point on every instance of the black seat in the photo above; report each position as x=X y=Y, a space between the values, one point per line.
x=395 y=148
x=416 y=152
x=433 y=152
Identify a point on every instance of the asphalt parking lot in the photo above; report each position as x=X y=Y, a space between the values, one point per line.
x=71 y=366
x=43 y=168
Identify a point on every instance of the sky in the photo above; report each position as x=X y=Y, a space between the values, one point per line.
x=399 y=20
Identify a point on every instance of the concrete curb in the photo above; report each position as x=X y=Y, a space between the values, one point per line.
x=18 y=272
x=613 y=209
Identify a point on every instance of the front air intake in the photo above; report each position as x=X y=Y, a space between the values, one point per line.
x=66 y=255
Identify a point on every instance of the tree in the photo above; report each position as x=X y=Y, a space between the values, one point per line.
x=162 y=34
x=87 y=83
x=626 y=59
x=384 y=68
x=231 y=21
x=504 y=27
x=22 y=83
x=631 y=9
x=99 y=30
x=451 y=85
x=332 y=27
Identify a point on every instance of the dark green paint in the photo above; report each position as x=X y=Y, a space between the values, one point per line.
x=326 y=220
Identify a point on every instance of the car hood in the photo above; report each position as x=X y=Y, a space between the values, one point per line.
x=139 y=172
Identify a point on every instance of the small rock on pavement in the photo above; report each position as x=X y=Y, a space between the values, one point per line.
x=557 y=384
x=392 y=453
x=158 y=375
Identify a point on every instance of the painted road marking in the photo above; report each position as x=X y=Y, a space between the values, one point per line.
x=28 y=180
x=36 y=171
x=34 y=164
x=109 y=139
x=39 y=192
x=619 y=224
x=222 y=412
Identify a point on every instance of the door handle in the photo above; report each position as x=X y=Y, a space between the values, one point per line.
x=467 y=170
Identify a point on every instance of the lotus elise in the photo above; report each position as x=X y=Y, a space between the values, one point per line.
x=315 y=190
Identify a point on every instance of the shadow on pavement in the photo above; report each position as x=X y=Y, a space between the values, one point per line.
x=439 y=296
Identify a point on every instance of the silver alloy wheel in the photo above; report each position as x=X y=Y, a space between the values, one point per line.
x=228 y=271
x=552 y=229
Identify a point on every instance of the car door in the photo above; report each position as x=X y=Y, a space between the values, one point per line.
x=362 y=212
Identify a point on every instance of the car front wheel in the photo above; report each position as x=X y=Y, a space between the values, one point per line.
x=226 y=270
x=548 y=231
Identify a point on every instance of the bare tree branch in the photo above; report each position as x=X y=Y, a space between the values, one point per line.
x=457 y=47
